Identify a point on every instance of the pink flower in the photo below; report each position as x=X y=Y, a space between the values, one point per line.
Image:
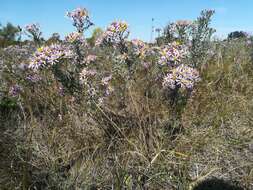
x=181 y=76
x=91 y=58
x=15 y=90
x=172 y=53
x=49 y=55
x=115 y=32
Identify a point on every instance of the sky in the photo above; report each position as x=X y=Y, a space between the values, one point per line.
x=230 y=15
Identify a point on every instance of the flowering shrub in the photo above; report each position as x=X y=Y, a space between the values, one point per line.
x=113 y=87
x=195 y=34
x=106 y=71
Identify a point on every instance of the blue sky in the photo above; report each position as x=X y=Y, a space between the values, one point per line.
x=50 y=14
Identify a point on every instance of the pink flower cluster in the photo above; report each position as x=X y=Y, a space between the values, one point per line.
x=15 y=90
x=115 y=32
x=90 y=58
x=49 y=55
x=182 y=76
x=172 y=53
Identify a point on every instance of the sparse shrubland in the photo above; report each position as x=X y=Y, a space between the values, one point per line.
x=113 y=113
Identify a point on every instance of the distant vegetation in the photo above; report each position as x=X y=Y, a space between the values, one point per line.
x=9 y=35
